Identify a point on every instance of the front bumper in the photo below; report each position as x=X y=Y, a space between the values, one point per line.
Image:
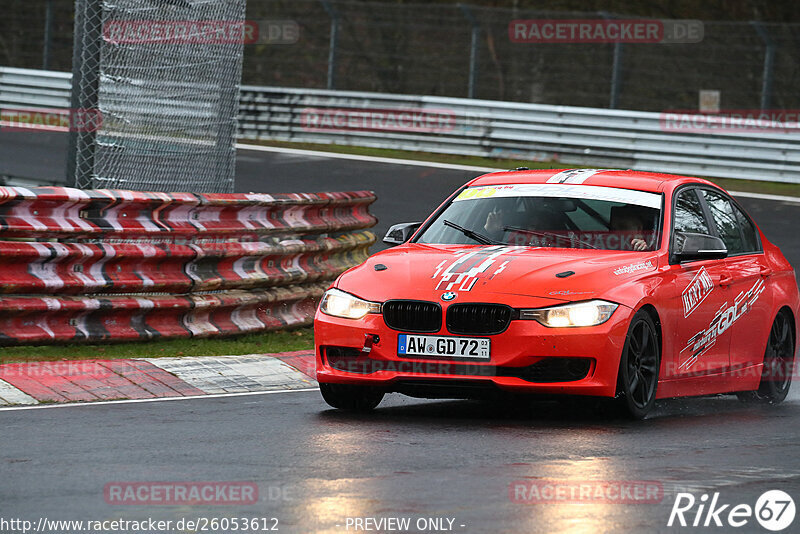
x=526 y=358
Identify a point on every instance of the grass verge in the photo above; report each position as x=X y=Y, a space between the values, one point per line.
x=731 y=184
x=268 y=342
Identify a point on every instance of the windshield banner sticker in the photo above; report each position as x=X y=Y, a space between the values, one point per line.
x=565 y=190
x=723 y=320
x=469 y=266
x=574 y=176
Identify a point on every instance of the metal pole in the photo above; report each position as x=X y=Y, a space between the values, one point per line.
x=48 y=34
x=616 y=71
x=473 y=50
x=85 y=91
x=769 y=64
x=333 y=43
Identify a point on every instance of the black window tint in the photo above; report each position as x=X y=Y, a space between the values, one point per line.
x=749 y=231
x=689 y=214
x=725 y=220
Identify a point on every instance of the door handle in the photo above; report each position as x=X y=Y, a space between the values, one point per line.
x=725 y=280
x=765 y=272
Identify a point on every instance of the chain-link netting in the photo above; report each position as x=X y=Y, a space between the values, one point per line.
x=167 y=92
x=426 y=48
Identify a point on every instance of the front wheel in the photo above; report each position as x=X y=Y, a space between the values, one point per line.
x=350 y=397
x=776 y=376
x=637 y=379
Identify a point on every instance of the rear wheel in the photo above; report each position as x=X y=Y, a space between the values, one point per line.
x=776 y=376
x=637 y=379
x=350 y=397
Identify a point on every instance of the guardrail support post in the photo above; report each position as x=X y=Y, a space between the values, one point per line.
x=769 y=63
x=333 y=43
x=473 y=49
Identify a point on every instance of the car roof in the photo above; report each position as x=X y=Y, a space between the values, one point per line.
x=626 y=179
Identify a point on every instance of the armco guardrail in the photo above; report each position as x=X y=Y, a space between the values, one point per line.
x=21 y=88
x=109 y=265
x=571 y=135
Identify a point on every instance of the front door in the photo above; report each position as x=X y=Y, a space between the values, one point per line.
x=701 y=291
x=747 y=315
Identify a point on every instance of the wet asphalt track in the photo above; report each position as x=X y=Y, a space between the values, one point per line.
x=410 y=458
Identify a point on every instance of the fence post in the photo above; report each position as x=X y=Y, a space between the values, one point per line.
x=769 y=63
x=85 y=90
x=333 y=43
x=473 y=49
x=48 y=34
x=616 y=70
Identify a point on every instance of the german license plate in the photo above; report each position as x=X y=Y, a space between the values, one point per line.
x=443 y=346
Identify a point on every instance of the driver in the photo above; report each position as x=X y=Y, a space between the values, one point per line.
x=628 y=222
x=540 y=217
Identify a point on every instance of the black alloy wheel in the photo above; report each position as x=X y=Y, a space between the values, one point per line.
x=638 y=369
x=776 y=376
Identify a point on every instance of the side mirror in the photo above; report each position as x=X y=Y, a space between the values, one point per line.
x=693 y=247
x=400 y=233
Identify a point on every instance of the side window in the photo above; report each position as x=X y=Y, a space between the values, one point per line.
x=726 y=221
x=749 y=232
x=688 y=215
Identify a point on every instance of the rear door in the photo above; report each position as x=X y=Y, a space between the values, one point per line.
x=747 y=312
x=697 y=299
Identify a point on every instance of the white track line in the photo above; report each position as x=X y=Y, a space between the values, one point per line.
x=417 y=163
x=764 y=196
x=357 y=157
x=160 y=399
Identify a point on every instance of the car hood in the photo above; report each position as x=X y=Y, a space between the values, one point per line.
x=518 y=276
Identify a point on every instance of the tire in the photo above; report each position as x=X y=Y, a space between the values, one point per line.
x=350 y=397
x=776 y=375
x=637 y=379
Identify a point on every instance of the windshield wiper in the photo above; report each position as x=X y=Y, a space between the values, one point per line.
x=480 y=238
x=539 y=233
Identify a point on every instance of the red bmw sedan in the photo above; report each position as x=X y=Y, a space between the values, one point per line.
x=628 y=285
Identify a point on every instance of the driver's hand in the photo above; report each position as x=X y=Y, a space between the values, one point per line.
x=638 y=244
x=494 y=221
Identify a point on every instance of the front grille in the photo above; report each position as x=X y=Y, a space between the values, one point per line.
x=412 y=315
x=478 y=319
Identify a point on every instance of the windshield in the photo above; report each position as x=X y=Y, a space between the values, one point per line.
x=550 y=215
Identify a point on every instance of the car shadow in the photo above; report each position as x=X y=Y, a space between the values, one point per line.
x=563 y=413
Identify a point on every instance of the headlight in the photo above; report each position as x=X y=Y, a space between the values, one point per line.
x=341 y=304
x=589 y=313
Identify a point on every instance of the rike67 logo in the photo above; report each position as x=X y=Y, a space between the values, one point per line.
x=774 y=510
